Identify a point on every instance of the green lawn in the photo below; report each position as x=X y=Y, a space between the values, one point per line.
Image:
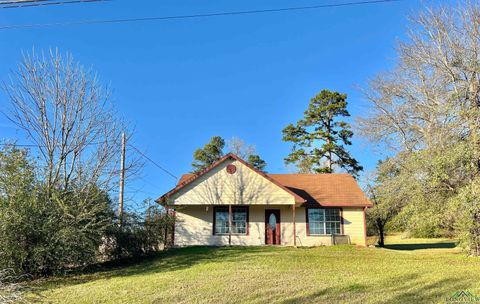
x=411 y=271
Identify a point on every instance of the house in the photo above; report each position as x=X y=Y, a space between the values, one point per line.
x=232 y=203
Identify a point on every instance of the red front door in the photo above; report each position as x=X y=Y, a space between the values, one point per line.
x=272 y=227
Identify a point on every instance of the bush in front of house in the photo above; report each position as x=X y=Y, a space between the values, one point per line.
x=139 y=235
x=46 y=231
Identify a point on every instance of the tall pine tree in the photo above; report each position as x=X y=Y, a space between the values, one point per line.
x=319 y=139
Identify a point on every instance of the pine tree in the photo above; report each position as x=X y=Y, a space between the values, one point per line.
x=257 y=162
x=320 y=137
x=213 y=151
x=210 y=153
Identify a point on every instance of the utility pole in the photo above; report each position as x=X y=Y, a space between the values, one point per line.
x=122 y=181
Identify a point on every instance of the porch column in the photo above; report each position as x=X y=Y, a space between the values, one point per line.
x=229 y=224
x=294 y=227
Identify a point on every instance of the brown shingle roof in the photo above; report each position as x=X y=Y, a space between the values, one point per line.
x=185 y=177
x=325 y=189
x=319 y=189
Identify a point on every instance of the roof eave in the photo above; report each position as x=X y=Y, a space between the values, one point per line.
x=307 y=204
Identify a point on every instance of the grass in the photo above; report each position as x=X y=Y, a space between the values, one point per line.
x=412 y=270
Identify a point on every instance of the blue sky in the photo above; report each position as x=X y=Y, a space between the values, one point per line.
x=179 y=82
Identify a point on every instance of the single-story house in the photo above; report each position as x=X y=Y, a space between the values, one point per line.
x=232 y=203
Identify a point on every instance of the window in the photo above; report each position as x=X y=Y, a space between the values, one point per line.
x=221 y=220
x=239 y=220
x=323 y=221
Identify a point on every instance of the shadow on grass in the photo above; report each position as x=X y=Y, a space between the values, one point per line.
x=442 y=245
x=313 y=297
x=410 y=288
x=419 y=292
x=170 y=260
x=414 y=286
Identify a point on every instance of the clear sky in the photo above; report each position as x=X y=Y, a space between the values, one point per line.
x=180 y=82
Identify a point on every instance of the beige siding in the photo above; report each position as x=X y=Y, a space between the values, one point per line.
x=245 y=187
x=354 y=225
x=302 y=238
x=194 y=226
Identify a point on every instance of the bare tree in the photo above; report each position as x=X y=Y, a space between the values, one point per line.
x=434 y=92
x=240 y=148
x=431 y=101
x=66 y=112
x=246 y=151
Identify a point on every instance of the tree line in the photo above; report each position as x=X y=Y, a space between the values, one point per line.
x=426 y=113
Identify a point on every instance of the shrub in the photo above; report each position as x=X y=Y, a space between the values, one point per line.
x=139 y=235
x=44 y=231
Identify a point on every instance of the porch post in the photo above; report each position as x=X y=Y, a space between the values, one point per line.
x=294 y=227
x=229 y=224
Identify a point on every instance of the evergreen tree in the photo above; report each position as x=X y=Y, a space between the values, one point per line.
x=213 y=151
x=256 y=162
x=320 y=137
x=210 y=153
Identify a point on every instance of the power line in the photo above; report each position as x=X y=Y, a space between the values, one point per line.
x=90 y=144
x=146 y=181
x=13 y=144
x=21 y=1
x=20 y=4
x=18 y=145
x=204 y=15
x=153 y=162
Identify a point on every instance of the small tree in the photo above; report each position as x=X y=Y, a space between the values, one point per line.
x=213 y=151
x=240 y=148
x=245 y=151
x=210 y=153
x=66 y=113
x=40 y=235
x=142 y=234
x=320 y=137
x=386 y=196
x=257 y=162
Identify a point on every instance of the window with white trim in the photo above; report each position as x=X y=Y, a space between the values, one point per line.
x=239 y=220
x=323 y=221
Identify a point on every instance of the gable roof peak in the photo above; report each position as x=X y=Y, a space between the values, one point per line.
x=180 y=185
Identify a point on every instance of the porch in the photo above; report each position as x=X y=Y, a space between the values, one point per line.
x=240 y=225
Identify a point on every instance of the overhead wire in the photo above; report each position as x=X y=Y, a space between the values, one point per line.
x=192 y=16
x=34 y=3
x=153 y=162
x=97 y=143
